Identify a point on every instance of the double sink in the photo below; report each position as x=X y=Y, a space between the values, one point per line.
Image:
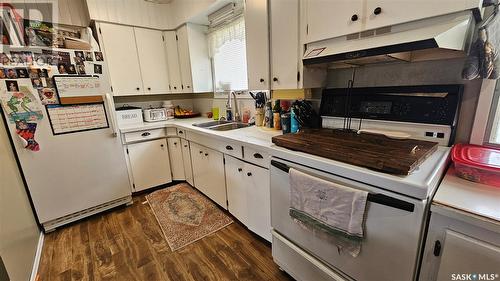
x=222 y=125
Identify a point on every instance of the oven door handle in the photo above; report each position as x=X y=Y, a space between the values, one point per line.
x=372 y=197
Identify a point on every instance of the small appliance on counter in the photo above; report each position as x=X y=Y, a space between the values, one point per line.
x=128 y=115
x=155 y=114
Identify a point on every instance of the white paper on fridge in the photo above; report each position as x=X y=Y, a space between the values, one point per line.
x=77 y=86
x=77 y=118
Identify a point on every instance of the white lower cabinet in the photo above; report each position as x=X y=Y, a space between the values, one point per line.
x=186 y=157
x=208 y=173
x=248 y=195
x=149 y=163
x=176 y=161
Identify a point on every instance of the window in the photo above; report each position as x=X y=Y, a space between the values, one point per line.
x=493 y=131
x=229 y=58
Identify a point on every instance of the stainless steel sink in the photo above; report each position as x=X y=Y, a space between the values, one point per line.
x=211 y=123
x=222 y=125
x=230 y=126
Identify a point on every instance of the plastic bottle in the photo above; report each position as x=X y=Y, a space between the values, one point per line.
x=268 y=115
x=294 y=125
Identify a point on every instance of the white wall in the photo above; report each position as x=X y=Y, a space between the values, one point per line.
x=19 y=232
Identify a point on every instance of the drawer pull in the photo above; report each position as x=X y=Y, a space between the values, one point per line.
x=145 y=134
x=228 y=147
x=181 y=132
x=249 y=174
x=206 y=154
x=161 y=145
x=377 y=11
x=185 y=145
x=175 y=143
x=240 y=169
x=258 y=155
x=354 y=17
x=201 y=152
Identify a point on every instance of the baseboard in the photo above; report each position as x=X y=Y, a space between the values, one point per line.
x=38 y=256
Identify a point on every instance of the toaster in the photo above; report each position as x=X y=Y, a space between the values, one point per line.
x=155 y=114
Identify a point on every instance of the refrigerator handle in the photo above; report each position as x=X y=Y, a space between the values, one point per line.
x=111 y=107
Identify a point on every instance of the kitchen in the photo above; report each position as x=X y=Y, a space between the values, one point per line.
x=250 y=140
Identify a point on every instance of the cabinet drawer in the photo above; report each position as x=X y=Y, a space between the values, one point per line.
x=227 y=147
x=171 y=132
x=181 y=133
x=144 y=135
x=256 y=157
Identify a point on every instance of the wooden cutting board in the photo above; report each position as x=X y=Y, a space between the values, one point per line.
x=377 y=152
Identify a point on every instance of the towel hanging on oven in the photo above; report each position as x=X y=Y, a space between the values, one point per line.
x=327 y=208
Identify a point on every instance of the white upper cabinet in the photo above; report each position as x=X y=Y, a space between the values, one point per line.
x=332 y=18
x=118 y=44
x=174 y=70
x=284 y=17
x=194 y=61
x=257 y=41
x=153 y=64
x=325 y=19
x=380 y=13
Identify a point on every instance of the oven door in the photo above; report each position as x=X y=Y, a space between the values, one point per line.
x=390 y=248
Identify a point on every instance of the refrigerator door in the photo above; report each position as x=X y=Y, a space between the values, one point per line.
x=71 y=172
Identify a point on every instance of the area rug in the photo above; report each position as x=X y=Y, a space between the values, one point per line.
x=184 y=215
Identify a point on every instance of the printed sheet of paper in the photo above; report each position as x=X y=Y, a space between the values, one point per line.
x=76 y=118
x=77 y=86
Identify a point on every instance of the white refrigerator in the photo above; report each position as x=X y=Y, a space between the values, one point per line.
x=70 y=173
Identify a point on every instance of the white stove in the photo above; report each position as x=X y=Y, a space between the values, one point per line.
x=397 y=211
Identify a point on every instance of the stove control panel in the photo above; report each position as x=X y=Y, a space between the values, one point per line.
x=434 y=104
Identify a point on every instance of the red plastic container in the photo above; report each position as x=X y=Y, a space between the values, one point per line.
x=477 y=163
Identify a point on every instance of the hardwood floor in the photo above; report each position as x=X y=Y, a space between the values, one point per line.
x=127 y=244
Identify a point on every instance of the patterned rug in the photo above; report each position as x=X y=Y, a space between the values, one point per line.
x=185 y=215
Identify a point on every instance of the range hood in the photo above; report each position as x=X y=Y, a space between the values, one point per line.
x=440 y=37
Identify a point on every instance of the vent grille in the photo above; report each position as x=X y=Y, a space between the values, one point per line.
x=369 y=33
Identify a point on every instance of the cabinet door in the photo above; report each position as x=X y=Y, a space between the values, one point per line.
x=465 y=254
x=184 y=59
x=257 y=41
x=258 y=194
x=152 y=60
x=176 y=161
x=327 y=19
x=186 y=157
x=236 y=189
x=380 y=13
x=208 y=173
x=174 y=69
x=284 y=43
x=149 y=163
x=122 y=60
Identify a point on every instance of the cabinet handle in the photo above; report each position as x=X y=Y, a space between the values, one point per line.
x=175 y=87
x=206 y=154
x=161 y=145
x=377 y=11
x=185 y=145
x=181 y=132
x=261 y=80
x=437 y=248
x=149 y=88
x=240 y=169
x=201 y=152
x=137 y=88
x=275 y=79
x=175 y=143
x=258 y=155
x=188 y=87
x=354 y=17
x=145 y=134
x=249 y=174
x=228 y=147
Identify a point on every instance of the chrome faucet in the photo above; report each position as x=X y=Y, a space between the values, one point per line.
x=236 y=113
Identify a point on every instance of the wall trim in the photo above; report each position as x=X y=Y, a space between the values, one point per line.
x=482 y=112
x=38 y=256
